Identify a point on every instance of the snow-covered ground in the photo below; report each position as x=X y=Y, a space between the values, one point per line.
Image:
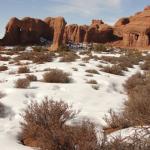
x=93 y=104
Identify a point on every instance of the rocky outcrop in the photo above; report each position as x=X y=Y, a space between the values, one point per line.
x=131 y=31
x=59 y=27
x=29 y=31
x=97 y=32
x=135 y=30
x=26 y=31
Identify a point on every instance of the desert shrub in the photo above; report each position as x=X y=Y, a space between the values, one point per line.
x=68 y=57
x=134 y=80
x=86 y=59
x=31 y=77
x=83 y=65
x=4 y=58
x=137 y=106
x=45 y=124
x=89 y=75
x=2 y=110
x=42 y=57
x=19 y=48
x=127 y=60
x=1 y=95
x=100 y=47
x=87 y=52
x=36 y=57
x=56 y=76
x=116 y=120
x=136 y=111
x=92 y=82
x=95 y=87
x=137 y=142
x=63 y=48
x=115 y=69
x=3 y=68
x=22 y=83
x=145 y=66
x=39 y=48
x=75 y=69
x=93 y=71
x=23 y=69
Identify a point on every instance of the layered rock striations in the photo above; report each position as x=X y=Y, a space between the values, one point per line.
x=131 y=31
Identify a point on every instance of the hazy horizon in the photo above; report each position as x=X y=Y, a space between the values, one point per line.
x=74 y=11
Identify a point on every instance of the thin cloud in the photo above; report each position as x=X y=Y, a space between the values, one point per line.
x=84 y=8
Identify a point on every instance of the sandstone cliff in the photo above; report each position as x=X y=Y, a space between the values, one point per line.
x=131 y=31
x=135 y=30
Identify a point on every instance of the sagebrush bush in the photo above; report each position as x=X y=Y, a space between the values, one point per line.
x=117 y=120
x=1 y=95
x=3 y=68
x=22 y=83
x=23 y=69
x=115 y=69
x=2 y=110
x=136 y=111
x=137 y=142
x=93 y=71
x=145 y=66
x=68 y=56
x=36 y=57
x=31 y=77
x=133 y=81
x=100 y=47
x=127 y=60
x=39 y=48
x=63 y=48
x=45 y=125
x=92 y=82
x=18 y=48
x=4 y=58
x=56 y=76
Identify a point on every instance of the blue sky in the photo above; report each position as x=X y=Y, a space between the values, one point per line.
x=74 y=11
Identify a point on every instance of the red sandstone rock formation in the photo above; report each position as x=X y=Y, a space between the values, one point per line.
x=26 y=31
x=97 y=32
x=59 y=27
x=135 y=31
x=129 y=32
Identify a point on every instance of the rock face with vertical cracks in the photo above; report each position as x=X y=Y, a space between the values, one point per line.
x=58 y=24
x=97 y=32
x=135 y=30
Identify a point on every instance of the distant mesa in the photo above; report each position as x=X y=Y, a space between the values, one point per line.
x=131 y=31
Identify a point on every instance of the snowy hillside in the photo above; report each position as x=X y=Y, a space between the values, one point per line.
x=93 y=101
